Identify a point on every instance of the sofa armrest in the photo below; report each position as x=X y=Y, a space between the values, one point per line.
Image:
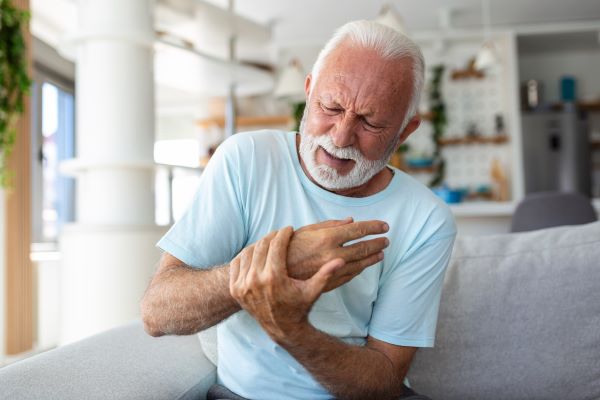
x=122 y=363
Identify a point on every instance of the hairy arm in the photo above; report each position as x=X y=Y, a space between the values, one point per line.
x=281 y=305
x=182 y=300
x=374 y=371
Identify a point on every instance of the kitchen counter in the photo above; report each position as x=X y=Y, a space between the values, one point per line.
x=488 y=217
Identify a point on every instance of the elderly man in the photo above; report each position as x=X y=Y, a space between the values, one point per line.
x=315 y=310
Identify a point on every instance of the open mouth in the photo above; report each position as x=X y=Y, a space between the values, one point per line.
x=332 y=160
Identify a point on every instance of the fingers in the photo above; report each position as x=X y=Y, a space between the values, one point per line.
x=357 y=230
x=364 y=249
x=326 y=224
x=350 y=270
x=261 y=250
x=315 y=285
x=276 y=259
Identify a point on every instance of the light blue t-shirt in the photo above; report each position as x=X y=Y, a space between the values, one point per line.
x=253 y=185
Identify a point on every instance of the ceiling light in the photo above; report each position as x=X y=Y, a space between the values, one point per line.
x=390 y=17
x=291 y=82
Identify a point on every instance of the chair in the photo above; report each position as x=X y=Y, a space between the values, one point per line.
x=548 y=209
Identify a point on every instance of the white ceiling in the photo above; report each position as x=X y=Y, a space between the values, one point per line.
x=300 y=22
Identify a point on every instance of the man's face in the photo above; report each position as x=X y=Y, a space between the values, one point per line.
x=353 y=117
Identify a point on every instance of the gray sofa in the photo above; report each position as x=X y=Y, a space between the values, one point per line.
x=519 y=319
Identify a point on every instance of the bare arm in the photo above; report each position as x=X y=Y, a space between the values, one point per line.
x=182 y=300
x=375 y=371
x=281 y=305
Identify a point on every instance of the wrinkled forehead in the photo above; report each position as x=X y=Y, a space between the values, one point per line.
x=355 y=71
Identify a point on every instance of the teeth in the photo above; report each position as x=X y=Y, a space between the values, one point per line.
x=333 y=156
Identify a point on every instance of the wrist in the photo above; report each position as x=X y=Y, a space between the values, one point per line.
x=292 y=334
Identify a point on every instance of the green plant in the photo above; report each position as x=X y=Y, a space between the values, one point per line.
x=438 y=122
x=14 y=79
x=298 y=112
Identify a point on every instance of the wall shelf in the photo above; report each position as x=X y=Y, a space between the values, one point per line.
x=272 y=120
x=420 y=170
x=500 y=139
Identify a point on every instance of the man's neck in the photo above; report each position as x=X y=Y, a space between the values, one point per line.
x=374 y=185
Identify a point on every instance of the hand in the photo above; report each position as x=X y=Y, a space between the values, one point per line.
x=313 y=245
x=258 y=280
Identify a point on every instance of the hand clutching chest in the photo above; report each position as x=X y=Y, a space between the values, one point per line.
x=279 y=295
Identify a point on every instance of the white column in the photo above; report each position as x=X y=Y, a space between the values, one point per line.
x=108 y=254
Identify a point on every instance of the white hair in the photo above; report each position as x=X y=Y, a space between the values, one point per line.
x=388 y=44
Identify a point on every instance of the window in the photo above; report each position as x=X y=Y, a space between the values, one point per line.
x=53 y=140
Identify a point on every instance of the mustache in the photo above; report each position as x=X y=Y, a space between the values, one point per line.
x=346 y=153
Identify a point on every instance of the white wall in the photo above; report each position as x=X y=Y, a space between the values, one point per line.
x=550 y=66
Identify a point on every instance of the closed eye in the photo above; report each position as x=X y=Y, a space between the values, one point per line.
x=371 y=125
x=330 y=110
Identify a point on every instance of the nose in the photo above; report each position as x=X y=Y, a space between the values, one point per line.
x=343 y=134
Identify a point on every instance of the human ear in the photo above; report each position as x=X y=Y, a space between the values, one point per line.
x=412 y=126
x=307 y=82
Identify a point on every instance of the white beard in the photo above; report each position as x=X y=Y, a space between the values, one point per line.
x=329 y=177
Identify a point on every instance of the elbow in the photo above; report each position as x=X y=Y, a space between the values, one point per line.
x=151 y=327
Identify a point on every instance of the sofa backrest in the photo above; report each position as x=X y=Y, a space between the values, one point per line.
x=519 y=319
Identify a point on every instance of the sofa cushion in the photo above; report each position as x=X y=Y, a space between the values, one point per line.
x=122 y=363
x=519 y=319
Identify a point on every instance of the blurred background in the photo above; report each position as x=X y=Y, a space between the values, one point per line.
x=130 y=98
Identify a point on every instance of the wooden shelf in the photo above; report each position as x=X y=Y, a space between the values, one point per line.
x=271 y=120
x=589 y=105
x=474 y=140
x=420 y=170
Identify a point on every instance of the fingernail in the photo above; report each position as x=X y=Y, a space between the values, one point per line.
x=380 y=256
x=387 y=242
x=386 y=227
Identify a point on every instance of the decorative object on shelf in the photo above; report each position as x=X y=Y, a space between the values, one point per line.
x=487 y=56
x=470 y=72
x=450 y=196
x=438 y=122
x=499 y=129
x=568 y=89
x=531 y=94
x=419 y=162
x=14 y=79
x=499 y=181
x=290 y=86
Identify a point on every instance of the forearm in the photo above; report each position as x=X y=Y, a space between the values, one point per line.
x=184 y=300
x=346 y=371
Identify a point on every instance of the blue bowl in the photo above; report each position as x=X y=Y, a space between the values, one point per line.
x=419 y=162
x=450 y=196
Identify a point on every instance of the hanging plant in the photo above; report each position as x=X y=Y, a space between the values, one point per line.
x=14 y=79
x=438 y=122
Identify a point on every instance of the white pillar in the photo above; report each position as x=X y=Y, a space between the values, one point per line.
x=108 y=254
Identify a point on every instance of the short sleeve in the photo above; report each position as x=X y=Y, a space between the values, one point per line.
x=405 y=312
x=212 y=230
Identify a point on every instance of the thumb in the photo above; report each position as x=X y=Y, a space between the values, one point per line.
x=315 y=285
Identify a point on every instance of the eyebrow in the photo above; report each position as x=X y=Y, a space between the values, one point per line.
x=367 y=114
